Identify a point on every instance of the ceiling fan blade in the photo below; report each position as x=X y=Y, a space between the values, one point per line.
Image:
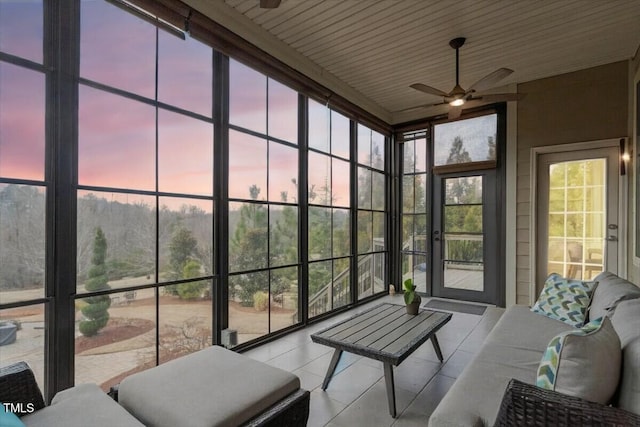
x=501 y=97
x=428 y=89
x=490 y=80
x=269 y=4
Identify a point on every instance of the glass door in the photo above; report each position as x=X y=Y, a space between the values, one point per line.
x=452 y=208
x=465 y=236
x=577 y=211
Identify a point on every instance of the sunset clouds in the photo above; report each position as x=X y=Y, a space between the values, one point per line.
x=22 y=135
x=154 y=131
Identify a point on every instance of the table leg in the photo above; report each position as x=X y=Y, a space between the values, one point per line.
x=391 y=391
x=436 y=347
x=332 y=367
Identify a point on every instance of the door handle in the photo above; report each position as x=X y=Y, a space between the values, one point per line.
x=612 y=239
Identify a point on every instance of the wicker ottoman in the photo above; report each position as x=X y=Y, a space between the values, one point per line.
x=215 y=387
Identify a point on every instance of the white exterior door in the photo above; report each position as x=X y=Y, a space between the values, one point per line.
x=577 y=213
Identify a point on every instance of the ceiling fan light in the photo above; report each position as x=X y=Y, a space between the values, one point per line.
x=457 y=102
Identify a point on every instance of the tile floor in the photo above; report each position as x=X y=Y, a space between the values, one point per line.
x=356 y=395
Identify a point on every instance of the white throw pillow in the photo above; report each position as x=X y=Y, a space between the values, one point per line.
x=626 y=321
x=583 y=362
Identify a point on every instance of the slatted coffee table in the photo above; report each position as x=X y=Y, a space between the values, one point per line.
x=386 y=333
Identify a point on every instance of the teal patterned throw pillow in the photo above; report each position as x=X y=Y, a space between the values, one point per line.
x=583 y=362
x=566 y=300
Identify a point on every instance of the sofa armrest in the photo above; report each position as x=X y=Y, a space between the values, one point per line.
x=528 y=405
x=18 y=386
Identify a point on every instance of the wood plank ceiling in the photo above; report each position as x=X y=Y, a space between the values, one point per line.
x=372 y=50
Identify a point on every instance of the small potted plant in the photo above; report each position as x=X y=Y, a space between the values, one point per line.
x=411 y=298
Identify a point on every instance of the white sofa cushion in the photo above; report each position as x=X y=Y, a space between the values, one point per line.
x=584 y=363
x=626 y=321
x=513 y=349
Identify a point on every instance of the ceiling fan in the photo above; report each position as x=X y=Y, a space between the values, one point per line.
x=269 y=4
x=460 y=98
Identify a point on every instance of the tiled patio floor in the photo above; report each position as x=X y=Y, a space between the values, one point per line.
x=357 y=394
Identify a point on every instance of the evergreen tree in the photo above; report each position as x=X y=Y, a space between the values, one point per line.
x=319 y=275
x=320 y=222
x=457 y=153
x=413 y=201
x=191 y=290
x=329 y=231
x=283 y=249
x=492 y=148
x=378 y=190
x=248 y=249
x=184 y=265
x=183 y=247
x=96 y=311
x=466 y=217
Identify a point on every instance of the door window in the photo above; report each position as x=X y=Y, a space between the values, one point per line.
x=577 y=205
x=463 y=233
x=577 y=212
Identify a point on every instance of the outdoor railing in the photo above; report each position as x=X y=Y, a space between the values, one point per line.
x=338 y=290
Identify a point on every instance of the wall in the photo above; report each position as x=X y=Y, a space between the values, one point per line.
x=634 y=78
x=585 y=105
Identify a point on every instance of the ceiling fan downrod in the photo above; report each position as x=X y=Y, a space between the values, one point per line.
x=457 y=92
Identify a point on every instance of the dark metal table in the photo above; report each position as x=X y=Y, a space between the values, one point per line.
x=386 y=333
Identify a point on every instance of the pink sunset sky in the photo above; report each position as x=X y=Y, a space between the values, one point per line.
x=117 y=135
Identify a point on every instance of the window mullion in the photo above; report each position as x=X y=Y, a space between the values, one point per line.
x=62 y=53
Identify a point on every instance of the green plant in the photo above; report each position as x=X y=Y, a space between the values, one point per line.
x=96 y=314
x=260 y=301
x=409 y=291
x=191 y=290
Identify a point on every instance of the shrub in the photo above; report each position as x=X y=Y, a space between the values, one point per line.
x=260 y=301
x=171 y=290
x=191 y=290
x=88 y=328
x=96 y=311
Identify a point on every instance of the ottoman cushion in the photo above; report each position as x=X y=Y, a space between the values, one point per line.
x=81 y=406
x=212 y=387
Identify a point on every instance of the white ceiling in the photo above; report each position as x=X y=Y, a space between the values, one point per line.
x=370 y=51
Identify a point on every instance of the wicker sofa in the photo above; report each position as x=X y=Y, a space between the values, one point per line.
x=195 y=390
x=498 y=386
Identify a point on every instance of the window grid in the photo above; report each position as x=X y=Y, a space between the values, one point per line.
x=415 y=217
x=23 y=191
x=161 y=261
x=163 y=216
x=371 y=241
x=264 y=261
